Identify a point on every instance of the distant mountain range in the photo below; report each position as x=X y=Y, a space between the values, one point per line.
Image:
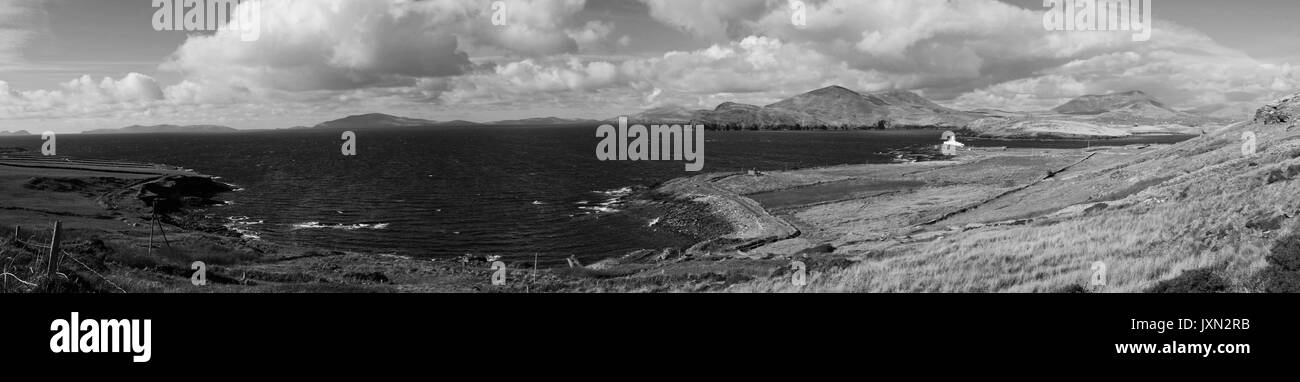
x=1095 y=116
x=377 y=120
x=545 y=121
x=14 y=133
x=837 y=108
x=174 y=129
x=833 y=107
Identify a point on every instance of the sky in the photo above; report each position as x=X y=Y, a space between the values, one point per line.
x=74 y=65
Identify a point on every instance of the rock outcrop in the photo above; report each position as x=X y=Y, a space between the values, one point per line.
x=1283 y=111
x=177 y=192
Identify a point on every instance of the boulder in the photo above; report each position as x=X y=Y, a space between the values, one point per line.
x=1283 y=111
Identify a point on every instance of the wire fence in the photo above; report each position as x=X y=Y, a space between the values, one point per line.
x=54 y=261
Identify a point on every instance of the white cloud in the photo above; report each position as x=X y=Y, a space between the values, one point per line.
x=326 y=57
x=710 y=19
x=310 y=45
x=595 y=36
x=754 y=69
x=536 y=27
x=752 y=65
x=83 y=97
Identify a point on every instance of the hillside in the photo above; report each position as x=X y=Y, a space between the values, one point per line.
x=837 y=106
x=1095 y=116
x=1198 y=216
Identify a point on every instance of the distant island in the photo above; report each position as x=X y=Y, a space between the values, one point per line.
x=169 y=129
x=14 y=133
x=379 y=120
x=1101 y=116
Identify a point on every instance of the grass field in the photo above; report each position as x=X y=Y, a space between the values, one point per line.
x=1196 y=216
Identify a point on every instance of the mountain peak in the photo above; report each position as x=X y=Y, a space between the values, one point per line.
x=1102 y=103
x=725 y=106
x=834 y=90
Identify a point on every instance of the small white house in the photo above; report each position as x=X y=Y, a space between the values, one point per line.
x=951 y=146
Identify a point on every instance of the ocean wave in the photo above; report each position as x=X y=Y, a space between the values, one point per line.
x=241 y=224
x=601 y=209
x=618 y=192
x=345 y=227
x=612 y=199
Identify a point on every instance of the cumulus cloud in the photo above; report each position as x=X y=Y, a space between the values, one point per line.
x=82 y=96
x=316 y=45
x=1183 y=79
x=753 y=65
x=715 y=20
x=595 y=36
x=535 y=27
x=308 y=45
x=980 y=50
x=447 y=57
x=754 y=69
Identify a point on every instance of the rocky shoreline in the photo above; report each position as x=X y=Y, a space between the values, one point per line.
x=1007 y=220
x=109 y=210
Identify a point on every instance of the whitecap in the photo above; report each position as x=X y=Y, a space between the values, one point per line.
x=345 y=227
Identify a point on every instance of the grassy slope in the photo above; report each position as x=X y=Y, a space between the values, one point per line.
x=1197 y=205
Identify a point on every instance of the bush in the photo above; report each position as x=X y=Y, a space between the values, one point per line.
x=1283 y=272
x=1204 y=280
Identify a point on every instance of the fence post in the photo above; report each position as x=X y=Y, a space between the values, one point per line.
x=16 y=242
x=54 y=256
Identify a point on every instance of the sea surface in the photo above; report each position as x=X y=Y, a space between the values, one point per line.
x=517 y=192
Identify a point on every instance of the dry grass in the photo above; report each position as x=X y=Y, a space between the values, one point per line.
x=1193 y=206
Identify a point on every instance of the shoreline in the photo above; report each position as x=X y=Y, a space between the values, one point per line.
x=735 y=240
x=836 y=219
